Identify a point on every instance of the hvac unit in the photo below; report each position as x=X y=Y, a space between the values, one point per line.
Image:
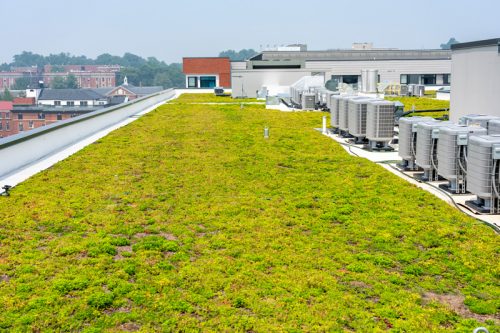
x=452 y=155
x=344 y=114
x=494 y=126
x=334 y=110
x=329 y=95
x=403 y=90
x=380 y=123
x=357 y=118
x=483 y=175
x=408 y=140
x=426 y=152
x=308 y=101
x=477 y=120
x=419 y=90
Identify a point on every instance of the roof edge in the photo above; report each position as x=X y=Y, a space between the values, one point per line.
x=477 y=43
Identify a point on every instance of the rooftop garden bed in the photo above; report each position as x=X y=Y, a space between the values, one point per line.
x=189 y=220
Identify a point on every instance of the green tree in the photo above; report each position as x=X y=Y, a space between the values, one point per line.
x=163 y=79
x=451 y=41
x=22 y=83
x=71 y=82
x=244 y=54
x=58 y=82
x=7 y=96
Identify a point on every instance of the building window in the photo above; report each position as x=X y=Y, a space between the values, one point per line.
x=21 y=127
x=1 y=126
x=446 y=78
x=20 y=116
x=41 y=116
x=57 y=103
x=429 y=79
x=192 y=82
x=1 y=115
x=350 y=79
x=7 y=125
x=70 y=103
x=410 y=79
x=59 y=116
x=84 y=103
x=31 y=124
x=208 y=81
x=7 y=115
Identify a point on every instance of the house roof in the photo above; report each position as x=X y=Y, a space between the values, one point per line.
x=24 y=101
x=6 y=106
x=144 y=90
x=140 y=91
x=119 y=99
x=103 y=91
x=69 y=94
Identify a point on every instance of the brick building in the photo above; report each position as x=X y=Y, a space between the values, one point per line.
x=87 y=76
x=207 y=72
x=5 y=118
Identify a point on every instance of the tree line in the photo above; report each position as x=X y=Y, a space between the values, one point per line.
x=138 y=70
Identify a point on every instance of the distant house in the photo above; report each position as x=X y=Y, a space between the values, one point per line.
x=132 y=92
x=71 y=98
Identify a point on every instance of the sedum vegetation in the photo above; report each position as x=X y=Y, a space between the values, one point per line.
x=212 y=98
x=423 y=103
x=189 y=220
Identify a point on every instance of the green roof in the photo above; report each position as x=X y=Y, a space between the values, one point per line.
x=189 y=220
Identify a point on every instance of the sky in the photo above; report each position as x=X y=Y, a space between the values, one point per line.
x=170 y=30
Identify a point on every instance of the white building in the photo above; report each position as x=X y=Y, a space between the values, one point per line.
x=431 y=68
x=71 y=98
x=475 y=70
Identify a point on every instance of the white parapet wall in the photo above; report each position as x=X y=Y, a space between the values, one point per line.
x=21 y=150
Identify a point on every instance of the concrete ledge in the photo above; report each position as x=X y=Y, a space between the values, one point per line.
x=20 y=150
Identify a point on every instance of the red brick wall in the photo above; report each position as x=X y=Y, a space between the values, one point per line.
x=30 y=121
x=200 y=66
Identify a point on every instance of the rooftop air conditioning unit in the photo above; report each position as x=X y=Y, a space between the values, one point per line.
x=426 y=153
x=309 y=101
x=452 y=155
x=483 y=175
x=494 y=126
x=403 y=90
x=357 y=118
x=380 y=123
x=334 y=110
x=344 y=113
x=328 y=97
x=408 y=140
x=477 y=120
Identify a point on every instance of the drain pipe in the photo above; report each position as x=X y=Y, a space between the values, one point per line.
x=481 y=329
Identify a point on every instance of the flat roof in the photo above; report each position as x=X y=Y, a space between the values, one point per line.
x=477 y=43
x=338 y=55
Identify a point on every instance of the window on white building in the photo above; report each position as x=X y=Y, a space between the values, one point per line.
x=192 y=82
